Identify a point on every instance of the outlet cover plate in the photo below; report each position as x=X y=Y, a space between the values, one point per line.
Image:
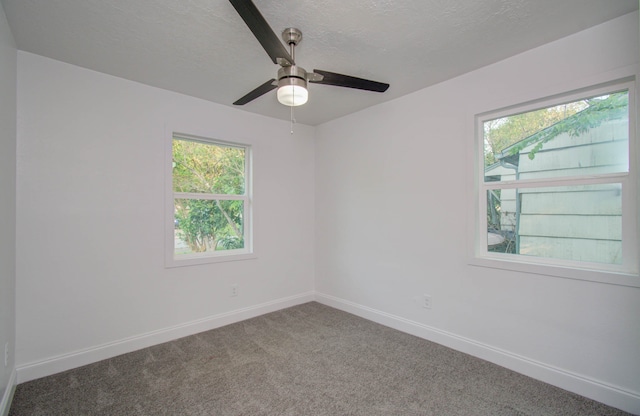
x=426 y=301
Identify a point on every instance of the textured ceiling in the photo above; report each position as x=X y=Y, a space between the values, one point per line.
x=203 y=48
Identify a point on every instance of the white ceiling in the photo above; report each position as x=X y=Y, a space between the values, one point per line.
x=203 y=48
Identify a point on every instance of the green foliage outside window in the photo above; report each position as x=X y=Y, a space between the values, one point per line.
x=203 y=168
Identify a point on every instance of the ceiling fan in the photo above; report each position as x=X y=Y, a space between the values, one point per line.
x=292 y=79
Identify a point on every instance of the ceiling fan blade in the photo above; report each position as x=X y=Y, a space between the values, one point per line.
x=258 y=92
x=262 y=31
x=339 y=80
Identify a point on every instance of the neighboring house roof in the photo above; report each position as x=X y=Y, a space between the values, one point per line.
x=613 y=107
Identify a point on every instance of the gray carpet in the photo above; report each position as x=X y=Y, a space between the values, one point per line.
x=305 y=360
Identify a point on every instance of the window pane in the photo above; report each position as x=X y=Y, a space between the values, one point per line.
x=208 y=168
x=585 y=137
x=204 y=226
x=581 y=223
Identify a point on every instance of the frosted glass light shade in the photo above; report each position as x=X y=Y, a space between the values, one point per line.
x=292 y=95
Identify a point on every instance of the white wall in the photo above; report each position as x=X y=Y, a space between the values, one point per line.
x=7 y=207
x=390 y=226
x=91 y=277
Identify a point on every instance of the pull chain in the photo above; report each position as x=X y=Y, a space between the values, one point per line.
x=291 y=119
x=292 y=52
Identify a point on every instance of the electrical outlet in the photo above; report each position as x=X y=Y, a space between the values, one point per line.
x=6 y=354
x=234 y=290
x=426 y=302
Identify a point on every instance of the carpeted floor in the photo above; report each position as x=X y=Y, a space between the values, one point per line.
x=305 y=360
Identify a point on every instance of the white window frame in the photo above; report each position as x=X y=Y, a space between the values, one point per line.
x=627 y=273
x=216 y=256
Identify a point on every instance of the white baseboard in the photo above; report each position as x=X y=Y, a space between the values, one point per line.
x=591 y=388
x=57 y=364
x=5 y=404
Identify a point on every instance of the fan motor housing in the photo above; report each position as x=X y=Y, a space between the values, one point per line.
x=292 y=75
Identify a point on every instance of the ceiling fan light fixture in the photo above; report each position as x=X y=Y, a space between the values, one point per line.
x=292 y=95
x=292 y=86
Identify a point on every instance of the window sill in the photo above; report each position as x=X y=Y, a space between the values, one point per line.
x=196 y=260
x=590 y=275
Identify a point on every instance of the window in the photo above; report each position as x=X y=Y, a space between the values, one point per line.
x=557 y=186
x=209 y=208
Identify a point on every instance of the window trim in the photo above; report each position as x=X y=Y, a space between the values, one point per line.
x=245 y=253
x=626 y=274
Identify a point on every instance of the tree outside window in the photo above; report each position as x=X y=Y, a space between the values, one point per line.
x=210 y=197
